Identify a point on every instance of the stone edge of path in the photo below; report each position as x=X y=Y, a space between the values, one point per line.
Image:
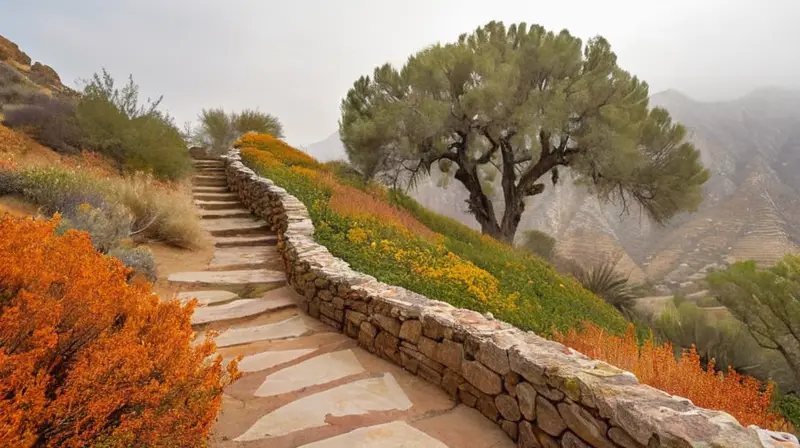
x=538 y=391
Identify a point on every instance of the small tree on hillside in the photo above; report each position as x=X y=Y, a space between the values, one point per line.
x=767 y=301
x=523 y=103
x=218 y=130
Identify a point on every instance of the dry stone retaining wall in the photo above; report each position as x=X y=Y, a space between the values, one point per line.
x=541 y=393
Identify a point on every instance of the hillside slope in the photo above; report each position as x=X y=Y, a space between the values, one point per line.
x=751 y=209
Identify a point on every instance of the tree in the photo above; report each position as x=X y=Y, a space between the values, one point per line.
x=522 y=103
x=218 y=130
x=767 y=301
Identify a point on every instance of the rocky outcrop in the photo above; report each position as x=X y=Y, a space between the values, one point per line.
x=539 y=392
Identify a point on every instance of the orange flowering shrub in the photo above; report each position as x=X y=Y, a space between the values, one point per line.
x=358 y=204
x=87 y=359
x=278 y=148
x=741 y=396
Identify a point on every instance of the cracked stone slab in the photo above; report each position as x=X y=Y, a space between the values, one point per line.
x=245 y=257
x=237 y=309
x=356 y=398
x=292 y=327
x=269 y=359
x=218 y=204
x=321 y=369
x=206 y=298
x=388 y=435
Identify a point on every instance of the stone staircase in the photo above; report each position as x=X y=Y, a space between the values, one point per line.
x=304 y=384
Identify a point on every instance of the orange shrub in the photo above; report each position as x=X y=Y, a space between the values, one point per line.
x=355 y=203
x=741 y=396
x=87 y=359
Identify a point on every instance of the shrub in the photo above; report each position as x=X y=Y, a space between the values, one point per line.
x=743 y=397
x=539 y=243
x=219 y=130
x=789 y=407
x=388 y=235
x=50 y=121
x=140 y=259
x=159 y=212
x=91 y=360
x=137 y=136
x=609 y=284
x=107 y=226
x=10 y=182
x=9 y=75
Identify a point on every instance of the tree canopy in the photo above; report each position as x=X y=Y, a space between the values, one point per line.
x=522 y=102
x=219 y=129
x=767 y=301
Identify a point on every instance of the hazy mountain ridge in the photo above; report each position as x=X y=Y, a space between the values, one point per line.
x=751 y=208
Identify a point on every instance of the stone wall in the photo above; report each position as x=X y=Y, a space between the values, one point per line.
x=539 y=392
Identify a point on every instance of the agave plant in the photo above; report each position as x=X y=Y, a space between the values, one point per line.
x=614 y=287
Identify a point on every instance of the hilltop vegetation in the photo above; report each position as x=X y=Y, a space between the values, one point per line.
x=386 y=234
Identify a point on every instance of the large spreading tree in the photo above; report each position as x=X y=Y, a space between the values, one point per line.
x=522 y=103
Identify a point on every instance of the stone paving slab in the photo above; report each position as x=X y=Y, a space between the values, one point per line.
x=246 y=257
x=237 y=309
x=290 y=328
x=269 y=359
x=246 y=283
x=218 y=204
x=318 y=370
x=388 y=435
x=357 y=398
x=206 y=298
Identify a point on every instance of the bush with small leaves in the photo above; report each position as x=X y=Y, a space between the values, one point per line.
x=90 y=359
x=50 y=121
x=140 y=259
x=106 y=227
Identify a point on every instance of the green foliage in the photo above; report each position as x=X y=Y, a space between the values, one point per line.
x=543 y=299
x=518 y=103
x=716 y=336
x=107 y=227
x=140 y=259
x=603 y=280
x=789 y=407
x=539 y=243
x=218 y=130
x=767 y=301
x=137 y=136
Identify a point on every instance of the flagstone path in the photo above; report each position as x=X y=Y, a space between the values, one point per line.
x=304 y=384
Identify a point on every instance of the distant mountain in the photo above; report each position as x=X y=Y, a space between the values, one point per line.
x=751 y=208
x=329 y=149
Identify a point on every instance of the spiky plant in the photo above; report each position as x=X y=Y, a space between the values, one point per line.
x=614 y=287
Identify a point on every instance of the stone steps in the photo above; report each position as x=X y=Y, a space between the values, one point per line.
x=218 y=205
x=239 y=309
x=246 y=241
x=235 y=258
x=229 y=213
x=209 y=297
x=227 y=196
x=235 y=227
x=245 y=283
x=206 y=189
x=210 y=181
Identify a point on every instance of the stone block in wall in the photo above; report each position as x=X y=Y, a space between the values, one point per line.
x=387 y=345
x=526 y=397
x=547 y=418
x=411 y=330
x=450 y=353
x=586 y=426
x=389 y=324
x=487 y=407
x=430 y=374
x=482 y=378
x=330 y=322
x=570 y=440
x=510 y=428
x=450 y=382
x=508 y=407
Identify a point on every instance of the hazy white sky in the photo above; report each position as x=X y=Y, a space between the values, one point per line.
x=296 y=59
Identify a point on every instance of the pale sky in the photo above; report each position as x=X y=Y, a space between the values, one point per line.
x=296 y=59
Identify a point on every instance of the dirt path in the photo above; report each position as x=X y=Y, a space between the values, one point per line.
x=304 y=384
